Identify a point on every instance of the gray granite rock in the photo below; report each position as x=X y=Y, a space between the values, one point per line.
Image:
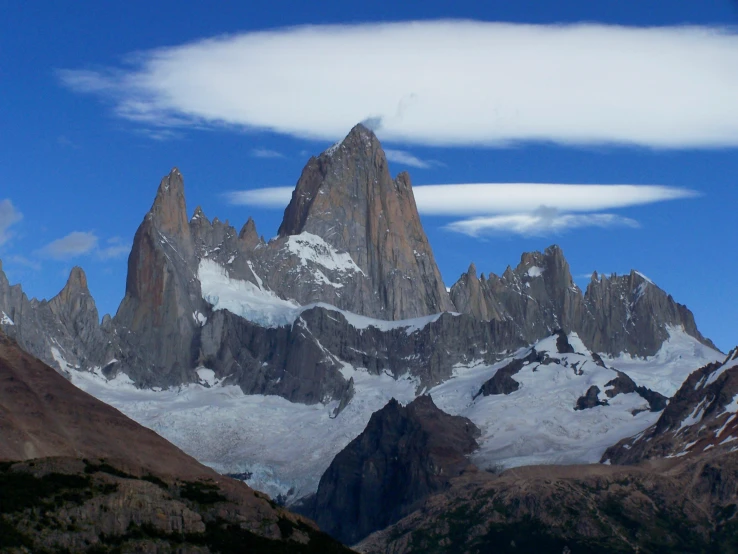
x=617 y=315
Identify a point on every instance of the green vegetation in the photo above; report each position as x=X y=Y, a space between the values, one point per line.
x=201 y=492
x=23 y=490
x=33 y=500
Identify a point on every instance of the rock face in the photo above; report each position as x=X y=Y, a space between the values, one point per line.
x=351 y=238
x=630 y=314
x=539 y=295
x=155 y=319
x=701 y=417
x=617 y=315
x=64 y=332
x=347 y=197
x=404 y=455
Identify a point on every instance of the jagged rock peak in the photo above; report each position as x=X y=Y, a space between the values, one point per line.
x=169 y=211
x=199 y=216
x=404 y=455
x=347 y=197
x=248 y=235
x=359 y=139
x=472 y=271
x=77 y=280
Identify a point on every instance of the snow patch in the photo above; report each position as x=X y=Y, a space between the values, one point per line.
x=309 y=247
x=535 y=271
x=207 y=376
x=243 y=298
x=5 y=319
x=665 y=372
x=59 y=359
x=728 y=364
x=246 y=300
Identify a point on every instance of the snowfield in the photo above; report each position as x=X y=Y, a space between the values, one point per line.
x=265 y=308
x=287 y=446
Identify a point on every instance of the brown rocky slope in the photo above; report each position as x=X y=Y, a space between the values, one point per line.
x=669 y=506
x=79 y=476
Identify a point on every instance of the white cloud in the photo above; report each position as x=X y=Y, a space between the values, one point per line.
x=406 y=158
x=116 y=248
x=266 y=153
x=543 y=221
x=268 y=198
x=500 y=198
x=24 y=262
x=71 y=246
x=9 y=215
x=663 y=87
x=513 y=208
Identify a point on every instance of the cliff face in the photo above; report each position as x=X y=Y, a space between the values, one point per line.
x=347 y=197
x=155 y=320
x=630 y=314
x=616 y=315
x=404 y=455
x=65 y=331
x=351 y=237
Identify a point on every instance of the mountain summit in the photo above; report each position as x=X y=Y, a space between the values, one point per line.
x=348 y=197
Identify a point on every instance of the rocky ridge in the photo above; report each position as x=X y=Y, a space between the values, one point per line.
x=351 y=238
x=405 y=454
x=625 y=314
x=701 y=417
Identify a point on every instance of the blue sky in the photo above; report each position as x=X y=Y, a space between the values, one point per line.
x=85 y=141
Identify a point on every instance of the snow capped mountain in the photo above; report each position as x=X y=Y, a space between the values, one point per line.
x=539 y=423
x=701 y=417
x=268 y=358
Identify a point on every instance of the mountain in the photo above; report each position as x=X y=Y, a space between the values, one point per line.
x=347 y=197
x=77 y=475
x=626 y=314
x=701 y=417
x=677 y=491
x=405 y=454
x=544 y=417
x=247 y=353
x=64 y=331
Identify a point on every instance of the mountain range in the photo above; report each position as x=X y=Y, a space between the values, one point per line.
x=338 y=337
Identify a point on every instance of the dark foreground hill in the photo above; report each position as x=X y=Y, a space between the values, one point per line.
x=78 y=476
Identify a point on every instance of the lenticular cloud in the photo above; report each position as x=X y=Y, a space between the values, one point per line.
x=443 y=83
x=510 y=208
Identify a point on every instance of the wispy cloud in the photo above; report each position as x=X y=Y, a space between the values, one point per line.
x=81 y=243
x=542 y=222
x=115 y=247
x=510 y=208
x=266 y=153
x=9 y=215
x=71 y=246
x=24 y=262
x=66 y=142
x=406 y=158
x=267 y=198
x=662 y=87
